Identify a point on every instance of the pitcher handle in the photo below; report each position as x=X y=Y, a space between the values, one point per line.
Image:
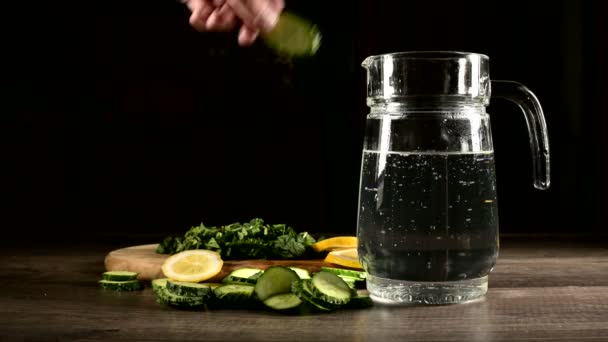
x=537 y=127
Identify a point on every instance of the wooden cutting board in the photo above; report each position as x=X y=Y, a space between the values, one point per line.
x=144 y=260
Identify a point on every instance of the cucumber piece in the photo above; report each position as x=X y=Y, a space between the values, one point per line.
x=119 y=275
x=354 y=283
x=330 y=288
x=302 y=273
x=293 y=36
x=360 y=300
x=181 y=302
x=182 y=288
x=301 y=289
x=158 y=286
x=234 y=293
x=275 y=280
x=129 y=285
x=213 y=286
x=238 y=280
x=257 y=275
x=283 y=301
x=245 y=272
x=164 y=297
x=159 y=283
x=345 y=273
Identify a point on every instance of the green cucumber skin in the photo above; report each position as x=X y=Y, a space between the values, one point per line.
x=344 y=273
x=234 y=296
x=275 y=280
x=164 y=297
x=238 y=280
x=119 y=275
x=188 y=289
x=129 y=285
x=300 y=289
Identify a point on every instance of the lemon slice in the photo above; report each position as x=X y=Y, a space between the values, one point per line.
x=293 y=35
x=347 y=257
x=335 y=243
x=193 y=265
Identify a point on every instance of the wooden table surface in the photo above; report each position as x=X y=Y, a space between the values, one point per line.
x=550 y=289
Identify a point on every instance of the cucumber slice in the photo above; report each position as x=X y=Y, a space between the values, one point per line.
x=301 y=289
x=293 y=36
x=181 y=302
x=354 y=283
x=129 y=285
x=213 y=286
x=245 y=272
x=283 y=301
x=257 y=275
x=158 y=286
x=238 y=280
x=345 y=273
x=330 y=288
x=302 y=273
x=119 y=275
x=163 y=296
x=181 y=288
x=275 y=280
x=360 y=300
x=234 y=293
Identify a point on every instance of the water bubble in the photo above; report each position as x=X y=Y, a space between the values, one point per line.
x=470 y=209
x=468 y=220
x=394 y=245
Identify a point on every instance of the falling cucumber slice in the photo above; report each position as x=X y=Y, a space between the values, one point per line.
x=293 y=36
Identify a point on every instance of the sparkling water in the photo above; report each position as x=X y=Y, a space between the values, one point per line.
x=427 y=218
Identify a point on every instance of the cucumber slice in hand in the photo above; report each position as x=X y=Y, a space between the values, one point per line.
x=293 y=36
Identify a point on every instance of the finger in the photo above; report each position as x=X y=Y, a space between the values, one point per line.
x=257 y=14
x=222 y=19
x=247 y=35
x=201 y=9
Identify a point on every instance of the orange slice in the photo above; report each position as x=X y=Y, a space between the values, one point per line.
x=344 y=257
x=335 y=243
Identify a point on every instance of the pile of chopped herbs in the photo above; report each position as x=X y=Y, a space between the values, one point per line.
x=236 y=241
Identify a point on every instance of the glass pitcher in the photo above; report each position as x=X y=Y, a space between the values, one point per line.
x=428 y=217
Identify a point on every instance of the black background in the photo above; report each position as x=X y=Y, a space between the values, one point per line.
x=119 y=118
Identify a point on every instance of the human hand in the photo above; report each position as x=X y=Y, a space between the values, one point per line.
x=223 y=15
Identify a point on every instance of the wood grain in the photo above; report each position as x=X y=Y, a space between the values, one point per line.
x=539 y=291
x=144 y=260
